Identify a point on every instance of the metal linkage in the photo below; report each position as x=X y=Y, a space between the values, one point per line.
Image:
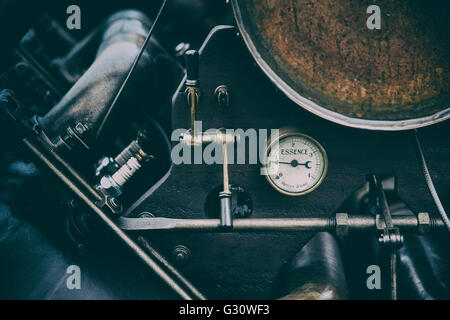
x=226 y=216
x=221 y=137
x=342 y=224
x=390 y=239
x=192 y=85
x=202 y=138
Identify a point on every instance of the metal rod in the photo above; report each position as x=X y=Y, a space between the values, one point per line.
x=429 y=181
x=355 y=223
x=147 y=245
x=386 y=212
x=382 y=201
x=132 y=69
x=76 y=176
x=192 y=104
x=149 y=261
x=226 y=180
x=393 y=272
x=226 y=215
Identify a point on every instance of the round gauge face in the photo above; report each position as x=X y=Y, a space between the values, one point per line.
x=296 y=163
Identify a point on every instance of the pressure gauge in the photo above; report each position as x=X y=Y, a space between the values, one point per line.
x=296 y=164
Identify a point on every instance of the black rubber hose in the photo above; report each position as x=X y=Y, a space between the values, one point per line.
x=91 y=98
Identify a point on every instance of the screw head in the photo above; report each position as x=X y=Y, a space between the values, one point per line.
x=222 y=94
x=73 y=204
x=181 y=254
x=146 y=214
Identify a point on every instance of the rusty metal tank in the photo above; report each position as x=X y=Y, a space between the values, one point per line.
x=323 y=56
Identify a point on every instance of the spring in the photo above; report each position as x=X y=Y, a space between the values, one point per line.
x=126 y=171
x=130 y=151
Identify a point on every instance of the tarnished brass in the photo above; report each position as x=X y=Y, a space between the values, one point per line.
x=324 y=57
x=192 y=93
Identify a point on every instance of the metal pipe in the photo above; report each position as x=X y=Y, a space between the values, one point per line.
x=226 y=215
x=226 y=179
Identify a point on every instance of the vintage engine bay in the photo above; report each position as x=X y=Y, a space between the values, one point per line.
x=164 y=152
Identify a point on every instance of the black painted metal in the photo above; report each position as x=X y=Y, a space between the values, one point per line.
x=228 y=265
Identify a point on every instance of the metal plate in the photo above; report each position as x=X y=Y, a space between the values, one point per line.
x=323 y=57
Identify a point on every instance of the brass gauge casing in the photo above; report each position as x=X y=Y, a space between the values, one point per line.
x=295 y=163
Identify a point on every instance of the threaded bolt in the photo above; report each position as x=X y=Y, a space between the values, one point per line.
x=125 y=172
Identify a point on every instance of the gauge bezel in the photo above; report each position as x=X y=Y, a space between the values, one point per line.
x=288 y=132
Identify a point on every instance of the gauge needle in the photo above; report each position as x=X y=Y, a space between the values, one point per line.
x=295 y=163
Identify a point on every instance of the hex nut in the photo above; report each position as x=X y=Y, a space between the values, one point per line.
x=380 y=223
x=341 y=224
x=423 y=223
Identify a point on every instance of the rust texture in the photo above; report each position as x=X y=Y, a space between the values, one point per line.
x=324 y=50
